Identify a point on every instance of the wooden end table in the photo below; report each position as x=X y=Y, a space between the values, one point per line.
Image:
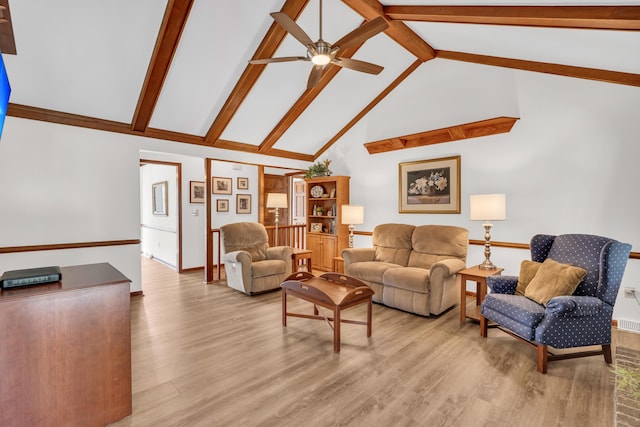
x=479 y=276
x=332 y=291
x=303 y=255
x=338 y=264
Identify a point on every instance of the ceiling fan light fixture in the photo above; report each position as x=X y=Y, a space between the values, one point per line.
x=320 y=59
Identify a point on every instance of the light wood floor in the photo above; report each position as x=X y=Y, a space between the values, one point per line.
x=206 y=355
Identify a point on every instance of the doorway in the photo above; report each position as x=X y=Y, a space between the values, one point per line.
x=161 y=212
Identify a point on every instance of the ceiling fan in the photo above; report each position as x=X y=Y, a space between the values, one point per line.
x=321 y=53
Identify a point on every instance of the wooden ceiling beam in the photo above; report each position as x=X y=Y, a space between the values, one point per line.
x=173 y=23
x=267 y=48
x=52 y=116
x=487 y=127
x=406 y=73
x=593 y=17
x=7 y=39
x=608 y=76
x=397 y=30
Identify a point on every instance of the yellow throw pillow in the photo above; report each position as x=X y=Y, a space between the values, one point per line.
x=528 y=270
x=554 y=279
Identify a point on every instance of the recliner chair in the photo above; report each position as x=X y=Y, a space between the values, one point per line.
x=568 y=321
x=250 y=265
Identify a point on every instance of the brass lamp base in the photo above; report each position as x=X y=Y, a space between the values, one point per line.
x=487 y=264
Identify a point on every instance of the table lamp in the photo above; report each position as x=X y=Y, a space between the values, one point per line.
x=352 y=215
x=487 y=207
x=277 y=201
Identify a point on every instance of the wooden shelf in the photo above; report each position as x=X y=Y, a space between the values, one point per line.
x=326 y=246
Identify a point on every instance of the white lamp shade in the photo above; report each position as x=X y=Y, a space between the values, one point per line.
x=488 y=207
x=277 y=200
x=352 y=214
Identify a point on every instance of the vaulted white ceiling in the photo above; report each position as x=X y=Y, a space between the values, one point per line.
x=87 y=63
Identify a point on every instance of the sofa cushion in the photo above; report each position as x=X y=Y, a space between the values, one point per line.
x=268 y=267
x=528 y=270
x=433 y=243
x=392 y=243
x=371 y=271
x=518 y=313
x=409 y=278
x=554 y=279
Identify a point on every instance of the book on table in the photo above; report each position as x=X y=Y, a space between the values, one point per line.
x=30 y=276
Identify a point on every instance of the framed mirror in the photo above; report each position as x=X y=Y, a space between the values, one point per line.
x=160 y=198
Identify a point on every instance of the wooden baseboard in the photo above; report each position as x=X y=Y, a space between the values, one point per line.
x=192 y=269
x=137 y=294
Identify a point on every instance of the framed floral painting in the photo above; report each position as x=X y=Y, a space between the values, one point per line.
x=429 y=186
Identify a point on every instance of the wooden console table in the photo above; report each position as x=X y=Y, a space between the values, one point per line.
x=333 y=291
x=65 y=350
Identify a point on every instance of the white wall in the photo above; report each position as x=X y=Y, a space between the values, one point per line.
x=60 y=184
x=569 y=165
x=233 y=171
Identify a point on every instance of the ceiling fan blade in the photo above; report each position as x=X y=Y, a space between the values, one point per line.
x=361 y=33
x=292 y=28
x=314 y=76
x=282 y=59
x=354 y=64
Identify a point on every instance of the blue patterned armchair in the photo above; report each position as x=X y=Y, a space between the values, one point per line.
x=578 y=320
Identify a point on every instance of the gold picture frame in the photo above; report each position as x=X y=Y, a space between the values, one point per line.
x=316 y=227
x=429 y=186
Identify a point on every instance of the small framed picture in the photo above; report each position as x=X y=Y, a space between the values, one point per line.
x=243 y=183
x=222 y=205
x=197 y=192
x=316 y=227
x=220 y=185
x=160 y=203
x=243 y=203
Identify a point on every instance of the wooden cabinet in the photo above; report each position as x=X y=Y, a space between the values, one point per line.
x=326 y=235
x=323 y=250
x=65 y=350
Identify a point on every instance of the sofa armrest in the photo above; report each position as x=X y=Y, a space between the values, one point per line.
x=574 y=306
x=240 y=257
x=280 y=252
x=447 y=267
x=502 y=284
x=237 y=269
x=352 y=255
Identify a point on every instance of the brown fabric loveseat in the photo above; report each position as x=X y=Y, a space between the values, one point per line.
x=412 y=268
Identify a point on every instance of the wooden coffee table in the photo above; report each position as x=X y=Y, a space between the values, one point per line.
x=332 y=291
